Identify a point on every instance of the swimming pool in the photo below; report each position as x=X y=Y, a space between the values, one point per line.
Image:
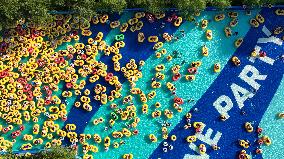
x=220 y=50
x=201 y=92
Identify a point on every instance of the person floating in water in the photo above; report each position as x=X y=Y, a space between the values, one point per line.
x=190 y=100
x=176 y=54
x=253 y=90
x=182 y=33
x=280 y=57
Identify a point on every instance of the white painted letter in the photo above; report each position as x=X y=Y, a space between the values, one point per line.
x=206 y=138
x=237 y=90
x=265 y=59
x=255 y=76
x=196 y=149
x=223 y=110
x=272 y=39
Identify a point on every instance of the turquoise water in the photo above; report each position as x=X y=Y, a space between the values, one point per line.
x=273 y=126
x=220 y=50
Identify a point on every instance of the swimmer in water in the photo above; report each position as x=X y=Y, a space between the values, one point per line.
x=280 y=57
x=163 y=25
x=253 y=91
x=182 y=33
x=190 y=100
x=243 y=112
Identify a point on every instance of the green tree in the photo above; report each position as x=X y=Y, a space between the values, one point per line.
x=190 y=6
x=32 y=10
x=152 y=6
x=222 y=4
x=57 y=152
x=255 y=3
x=252 y=2
x=112 y=5
x=37 y=11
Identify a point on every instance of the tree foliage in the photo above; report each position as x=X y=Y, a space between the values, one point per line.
x=190 y=6
x=222 y=4
x=56 y=152
x=37 y=11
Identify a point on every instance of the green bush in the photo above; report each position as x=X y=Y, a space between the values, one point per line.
x=37 y=11
x=57 y=152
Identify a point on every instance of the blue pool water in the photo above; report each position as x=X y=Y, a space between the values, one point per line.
x=260 y=109
x=220 y=50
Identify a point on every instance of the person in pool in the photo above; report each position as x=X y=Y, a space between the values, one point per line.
x=280 y=57
x=176 y=54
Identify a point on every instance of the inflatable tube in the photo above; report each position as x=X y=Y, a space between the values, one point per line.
x=204 y=51
x=107 y=141
x=140 y=37
x=95 y=19
x=279 y=12
x=114 y=24
x=167 y=37
x=103 y=18
x=248 y=127
x=153 y=138
x=243 y=155
x=204 y=23
x=127 y=156
x=238 y=42
x=259 y=18
x=244 y=143
x=196 y=64
x=123 y=27
x=266 y=140
x=217 y=67
x=254 y=23
x=176 y=76
x=190 y=77
x=192 y=70
x=219 y=17
x=236 y=61
x=233 y=14
x=160 y=15
x=132 y=28
x=228 y=31
x=139 y=25
x=197 y=13
x=178 y=100
x=139 y=15
x=153 y=39
x=191 y=139
x=233 y=22
x=202 y=149
x=278 y=30
x=119 y=37
x=86 y=32
x=178 y=21
x=281 y=115
x=209 y=34
x=158 y=45
x=133 y=21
